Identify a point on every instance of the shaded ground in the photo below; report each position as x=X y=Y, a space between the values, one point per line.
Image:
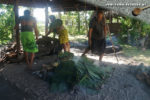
x=122 y=84
x=128 y=55
x=9 y=92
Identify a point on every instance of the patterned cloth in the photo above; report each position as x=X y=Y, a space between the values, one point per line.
x=28 y=42
x=63 y=36
x=98 y=46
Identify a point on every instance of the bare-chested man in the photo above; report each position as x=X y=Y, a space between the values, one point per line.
x=28 y=25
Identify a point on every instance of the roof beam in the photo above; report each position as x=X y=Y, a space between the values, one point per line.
x=56 y=5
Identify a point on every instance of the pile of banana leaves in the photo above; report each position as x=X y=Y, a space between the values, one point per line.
x=78 y=72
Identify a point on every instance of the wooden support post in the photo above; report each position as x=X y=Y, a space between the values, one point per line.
x=117 y=20
x=111 y=19
x=17 y=30
x=46 y=19
x=59 y=14
x=78 y=22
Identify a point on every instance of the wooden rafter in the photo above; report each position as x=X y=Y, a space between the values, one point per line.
x=56 y=5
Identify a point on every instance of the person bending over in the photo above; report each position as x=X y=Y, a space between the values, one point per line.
x=63 y=35
x=52 y=27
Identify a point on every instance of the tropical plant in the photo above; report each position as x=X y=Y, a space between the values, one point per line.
x=76 y=22
x=7 y=22
x=132 y=30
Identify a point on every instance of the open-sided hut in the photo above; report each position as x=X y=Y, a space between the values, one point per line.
x=56 y=5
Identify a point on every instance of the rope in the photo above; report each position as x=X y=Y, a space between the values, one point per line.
x=113 y=48
x=112 y=43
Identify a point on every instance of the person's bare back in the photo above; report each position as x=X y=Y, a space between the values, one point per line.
x=28 y=23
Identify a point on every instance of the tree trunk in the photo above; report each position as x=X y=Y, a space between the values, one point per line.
x=46 y=19
x=86 y=23
x=78 y=22
x=59 y=15
x=147 y=42
x=17 y=31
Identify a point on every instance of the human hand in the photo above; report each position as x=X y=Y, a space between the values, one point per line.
x=90 y=43
x=46 y=35
x=37 y=38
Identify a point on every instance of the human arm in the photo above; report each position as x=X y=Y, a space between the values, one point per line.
x=36 y=30
x=105 y=30
x=51 y=27
x=90 y=35
x=91 y=26
x=50 y=30
x=105 y=27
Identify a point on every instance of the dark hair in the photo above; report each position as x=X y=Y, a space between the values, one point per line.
x=52 y=17
x=59 y=22
x=27 y=12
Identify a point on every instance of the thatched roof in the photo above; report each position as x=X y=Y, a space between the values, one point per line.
x=28 y=3
x=113 y=14
x=56 y=5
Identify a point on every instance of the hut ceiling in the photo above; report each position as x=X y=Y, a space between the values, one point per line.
x=56 y=5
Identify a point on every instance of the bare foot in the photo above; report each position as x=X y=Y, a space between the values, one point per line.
x=82 y=55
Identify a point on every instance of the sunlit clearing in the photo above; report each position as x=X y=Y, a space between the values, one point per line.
x=38 y=13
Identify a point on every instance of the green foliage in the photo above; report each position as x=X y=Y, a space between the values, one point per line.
x=65 y=56
x=6 y=23
x=80 y=72
x=133 y=27
x=65 y=76
x=75 y=20
x=90 y=75
x=145 y=28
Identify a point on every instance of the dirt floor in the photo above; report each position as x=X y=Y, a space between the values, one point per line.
x=9 y=92
x=122 y=84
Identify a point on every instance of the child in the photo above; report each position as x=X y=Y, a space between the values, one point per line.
x=63 y=35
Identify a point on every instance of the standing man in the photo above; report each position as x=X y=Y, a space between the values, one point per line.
x=28 y=24
x=97 y=34
x=52 y=27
